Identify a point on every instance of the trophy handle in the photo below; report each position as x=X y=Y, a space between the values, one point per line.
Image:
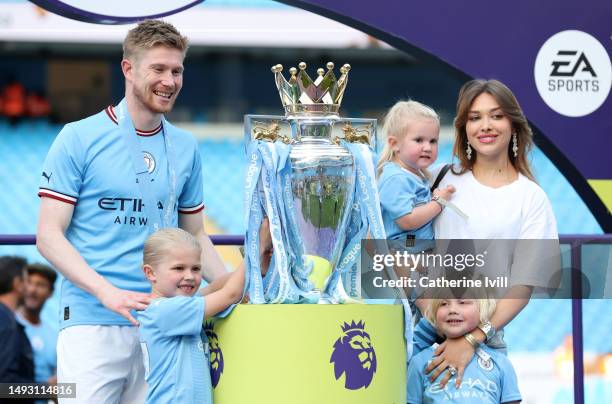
x=353 y=135
x=267 y=133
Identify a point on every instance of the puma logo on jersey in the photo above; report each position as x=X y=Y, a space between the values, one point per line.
x=47 y=176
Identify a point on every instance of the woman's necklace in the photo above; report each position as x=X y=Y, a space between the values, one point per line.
x=495 y=177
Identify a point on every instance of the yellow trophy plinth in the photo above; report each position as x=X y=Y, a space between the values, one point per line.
x=309 y=354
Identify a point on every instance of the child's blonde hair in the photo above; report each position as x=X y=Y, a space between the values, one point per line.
x=162 y=241
x=486 y=308
x=397 y=122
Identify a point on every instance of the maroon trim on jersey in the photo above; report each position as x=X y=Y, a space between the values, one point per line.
x=48 y=193
x=111 y=114
x=190 y=211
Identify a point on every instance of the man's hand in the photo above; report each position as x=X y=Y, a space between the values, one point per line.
x=122 y=301
x=454 y=352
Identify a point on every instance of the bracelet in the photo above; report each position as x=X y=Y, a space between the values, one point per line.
x=473 y=341
x=440 y=201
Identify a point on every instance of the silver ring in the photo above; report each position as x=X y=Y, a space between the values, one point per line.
x=452 y=370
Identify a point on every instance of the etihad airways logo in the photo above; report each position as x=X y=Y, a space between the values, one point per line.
x=128 y=211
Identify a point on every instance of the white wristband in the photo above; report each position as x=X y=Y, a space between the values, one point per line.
x=441 y=201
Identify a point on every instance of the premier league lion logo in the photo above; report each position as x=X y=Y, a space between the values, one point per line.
x=354 y=356
x=216 y=355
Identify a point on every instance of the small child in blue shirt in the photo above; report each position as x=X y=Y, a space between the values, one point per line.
x=174 y=345
x=488 y=378
x=412 y=130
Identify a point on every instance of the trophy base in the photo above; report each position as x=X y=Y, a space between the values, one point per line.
x=310 y=354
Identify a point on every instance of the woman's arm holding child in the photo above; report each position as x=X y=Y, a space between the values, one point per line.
x=458 y=352
x=425 y=213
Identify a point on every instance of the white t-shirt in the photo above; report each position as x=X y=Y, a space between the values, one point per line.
x=513 y=225
x=519 y=210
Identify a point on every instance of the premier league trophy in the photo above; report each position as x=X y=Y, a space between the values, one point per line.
x=311 y=173
x=317 y=187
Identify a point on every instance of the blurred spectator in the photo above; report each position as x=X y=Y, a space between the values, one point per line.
x=37 y=105
x=14 y=101
x=16 y=364
x=39 y=285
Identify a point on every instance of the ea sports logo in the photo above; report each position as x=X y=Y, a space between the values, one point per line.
x=573 y=73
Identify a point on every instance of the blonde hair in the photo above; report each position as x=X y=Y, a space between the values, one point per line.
x=486 y=308
x=162 y=241
x=510 y=106
x=151 y=33
x=397 y=121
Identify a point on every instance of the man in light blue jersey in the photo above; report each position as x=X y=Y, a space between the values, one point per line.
x=39 y=284
x=108 y=182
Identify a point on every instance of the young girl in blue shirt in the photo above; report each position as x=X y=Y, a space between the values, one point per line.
x=173 y=342
x=408 y=208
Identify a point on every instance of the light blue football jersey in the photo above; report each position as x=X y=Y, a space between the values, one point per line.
x=400 y=192
x=491 y=381
x=89 y=166
x=43 y=338
x=175 y=351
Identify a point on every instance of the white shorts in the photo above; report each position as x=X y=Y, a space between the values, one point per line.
x=104 y=361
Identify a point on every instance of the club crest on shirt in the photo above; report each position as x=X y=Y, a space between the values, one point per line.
x=485 y=364
x=149 y=161
x=354 y=356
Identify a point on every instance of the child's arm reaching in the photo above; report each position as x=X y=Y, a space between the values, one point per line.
x=425 y=213
x=223 y=292
x=217 y=283
x=265 y=249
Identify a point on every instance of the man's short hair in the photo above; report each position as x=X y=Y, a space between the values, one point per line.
x=44 y=271
x=11 y=267
x=151 y=33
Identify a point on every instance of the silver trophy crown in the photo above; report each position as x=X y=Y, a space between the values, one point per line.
x=302 y=95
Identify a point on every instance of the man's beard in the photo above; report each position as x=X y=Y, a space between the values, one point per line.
x=149 y=103
x=32 y=307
